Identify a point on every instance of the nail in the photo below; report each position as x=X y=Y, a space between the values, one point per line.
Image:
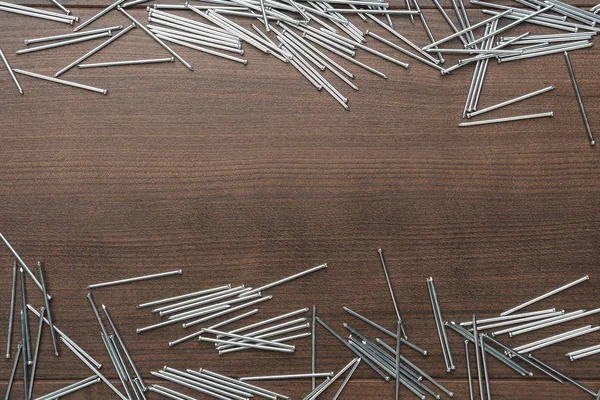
x=61 y=81
x=223 y=323
x=199 y=377
x=33 y=12
x=238 y=384
x=122 y=343
x=208 y=310
x=509 y=317
x=408 y=53
x=563 y=376
x=289 y=278
x=398 y=334
x=63 y=8
x=191 y=384
x=548 y=50
x=62 y=335
x=25 y=361
x=478 y=356
x=113 y=358
x=391 y=289
x=437 y=313
x=210 y=295
x=558 y=338
x=521 y=320
x=553 y=322
x=136 y=279
x=313 y=346
x=100 y=14
x=64 y=43
x=13 y=371
x=209 y=301
x=47 y=307
x=156 y=39
x=26 y=343
x=580 y=100
x=317 y=392
x=511 y=101
x=201 y=382
x=249 y=338
x=92 y=368
x=347 y=379
x=11 y=314
x=352 y=349
x=485 y=367
x=469 y=377
x=184 y=296
x=35 y=354
x=585 y=354
x=130 y=62
x=10 y=71
x=72 y=35
x=20 y=260
x=289 y=376
x=226 y=311
x=508 y=119
x=169 y=393
x=581 y=351
x=289 y=326
x=279 y=340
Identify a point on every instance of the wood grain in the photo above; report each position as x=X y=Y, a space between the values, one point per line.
x=246 y=174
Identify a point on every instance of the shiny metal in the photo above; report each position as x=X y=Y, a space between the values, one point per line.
x=580 y=100
x=289 y=376
x=544 y=340
x=189 y=383
x=37 y=13
x=136 y=279
x=197 y=376
x=402 y=50
x=128 y=62
x=508 y=26
x=316 y=393
x=13 y=371
x=25 y=361
x=169 y=393
x=553 y=322
x=271 y=331
x=289 y=278
x=133 y=3
x=72 y=35
x=238 y=384
x=202 y=310
x=398 y=335
x=10 y=71
x=391 y=290
x=469 y=377
x=64 y=43
x=95 y=50
x=157 y=40
x=36 y=354
x=92 y=368
x=21 y=262
x=437 y=314
x=98 y=15
x=313 y=346
x=63 y=8
x=65 y=337
x=584 y=350
x=546 y=295
x=509 y=317
x=184 y=296
x=198 y=301
x=163 y=33
x=11 y=313
x=347 y=379
x=508 y=119
x=560 y=338
x=527 y=325
x=478 y=356
x=511 y=101
x=47 y=307
x=474 y=26
x=561 y=375
x=585 y=354
x=248 y=338
x=122 y=344
x=215 y=326
x=175 y=320
x=521 y=320
x=114 y=359
x=26 y=340
x=199 y=382
x=485 y=367
x=352 y=349
x=90 y=380
x=226 y=311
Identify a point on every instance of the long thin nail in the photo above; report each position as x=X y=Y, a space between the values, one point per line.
x=563 y=376
x=10 y=71
x=26 y=341
x=13 y=371
x=508 y=119
x=554 y=322
x=329 y=382
x=90 y=380
x=485 y=367
x=100 y=14
x=478 y=356
x=559 y=338
x=391 y=289
x=64 y=43
x=61 y=81
x=72 y=35
x=313 y=346
x=136 y=279
x=47 y=307
x=440 y=326
x=469 y=377
x=246 y=386
x=346 y=380
x=11 y=314
x=288 y=376
x=184 y=296
x=580 y=100
x=20 y=260
x=227 y=311
x=36 y=353
x=289 y=278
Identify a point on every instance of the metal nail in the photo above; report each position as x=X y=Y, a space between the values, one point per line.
x=61 y=81
x=235 y=383
x=313 y=347
x=16 y=9
x=90 y=380
x=36 y=353
x=64 y=43
x=11 y=314
x=469 y=377
x=478 y=356
x=521 y=320
x=10 y=71
x=289 y=278
x=553 y=322
x=508 y=119
x=511 y=101
x=580 y=100
x=226 y=311
x=288 y=376
x=184 y=296
x=47 y=307
x=316 y=392
x=100 y=14
x=20 y=260
x=559 y=338
x=485 y=367
x=560 y=374
x=26 y=340
x=13 y=371
x=136 y=279
x=391 y=289
x=72 y=35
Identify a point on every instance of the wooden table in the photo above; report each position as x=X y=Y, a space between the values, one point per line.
x=246 y=174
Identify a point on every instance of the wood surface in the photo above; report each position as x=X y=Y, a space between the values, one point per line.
x=246 y=174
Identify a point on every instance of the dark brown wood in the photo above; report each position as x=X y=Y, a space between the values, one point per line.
x=246 y=174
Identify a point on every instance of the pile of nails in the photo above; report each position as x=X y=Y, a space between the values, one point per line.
x=311 y=34
x=385 y=359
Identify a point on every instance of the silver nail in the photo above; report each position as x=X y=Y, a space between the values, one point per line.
x=508 y=119
x=10 y=71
